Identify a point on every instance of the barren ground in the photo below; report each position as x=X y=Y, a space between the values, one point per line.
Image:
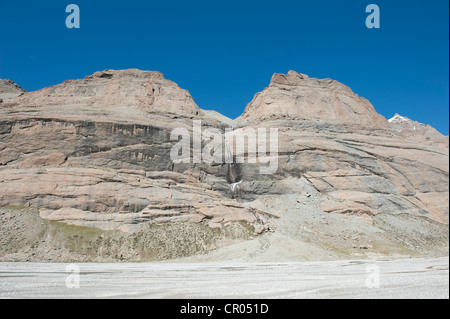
x=407 y=278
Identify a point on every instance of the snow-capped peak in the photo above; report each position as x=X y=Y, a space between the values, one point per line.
x=398 y=118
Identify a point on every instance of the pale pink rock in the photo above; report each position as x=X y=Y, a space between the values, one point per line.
x=297 y=96
x=95 y=152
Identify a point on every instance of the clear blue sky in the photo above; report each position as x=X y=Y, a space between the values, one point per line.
x=224 y=52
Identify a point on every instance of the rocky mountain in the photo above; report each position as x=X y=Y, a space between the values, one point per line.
x=95 y=152
x=9 y=89
x=142 y=90
x=297 y=96
x=416 y=131
x=86 y=174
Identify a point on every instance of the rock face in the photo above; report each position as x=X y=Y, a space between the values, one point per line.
x=9 y=89
x=144 y=90
x=95 y=152
x=336 y=141
x=297 y=96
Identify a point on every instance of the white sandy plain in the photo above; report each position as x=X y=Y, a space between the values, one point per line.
x=403 y=278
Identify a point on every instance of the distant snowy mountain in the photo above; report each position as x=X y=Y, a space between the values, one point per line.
x=417 y=131
x=398 y=119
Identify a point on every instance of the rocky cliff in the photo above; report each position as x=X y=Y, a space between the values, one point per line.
x=142 y=90
x=95 y=153
x=9 y=89
x=299 y=97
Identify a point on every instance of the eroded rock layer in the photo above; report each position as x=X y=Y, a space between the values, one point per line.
x=95 y=152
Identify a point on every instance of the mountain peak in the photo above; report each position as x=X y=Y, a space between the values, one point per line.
x=417 y=131
x=9 y=89
x=297 y=96
x=291 y=78
x=148 y=91
x=397 y=118
x=126 y=73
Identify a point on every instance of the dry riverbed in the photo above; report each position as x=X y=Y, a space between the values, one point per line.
x=402 y=278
